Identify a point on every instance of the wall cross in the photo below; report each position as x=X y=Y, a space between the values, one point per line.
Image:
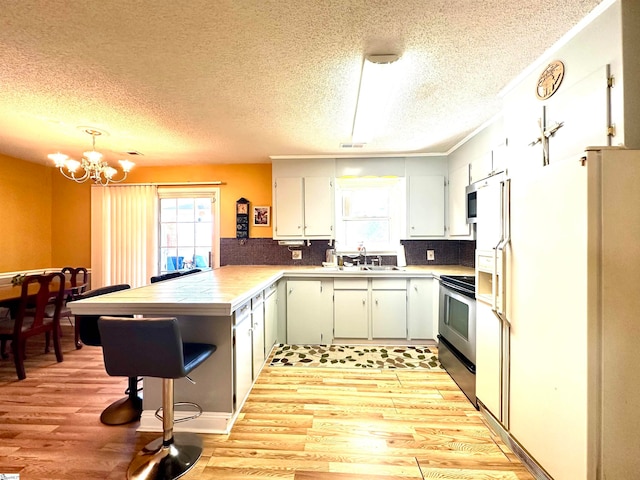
x=546 y=132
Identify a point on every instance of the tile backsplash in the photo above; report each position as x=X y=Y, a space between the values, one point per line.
x=265 y=251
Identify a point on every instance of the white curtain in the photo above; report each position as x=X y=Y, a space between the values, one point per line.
x=123 y=234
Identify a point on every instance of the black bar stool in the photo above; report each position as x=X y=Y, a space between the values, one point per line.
x=153 y=347
x=129 y=408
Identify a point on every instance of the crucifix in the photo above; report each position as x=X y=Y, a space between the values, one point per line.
x=546 y=132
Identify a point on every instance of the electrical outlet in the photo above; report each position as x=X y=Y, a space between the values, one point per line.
x=296 y=254
x=431 y=254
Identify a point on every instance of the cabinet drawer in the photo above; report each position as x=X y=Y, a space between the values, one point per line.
x=270 y=290
x=350 y=284
x=242 y=312
x=389 y=284
x=257 y=300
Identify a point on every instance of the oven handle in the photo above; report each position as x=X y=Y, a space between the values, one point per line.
x=459 y=290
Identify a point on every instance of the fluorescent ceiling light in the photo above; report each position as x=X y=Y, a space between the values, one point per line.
x=377 y=82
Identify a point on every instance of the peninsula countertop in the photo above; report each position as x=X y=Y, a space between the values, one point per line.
x=221 y=291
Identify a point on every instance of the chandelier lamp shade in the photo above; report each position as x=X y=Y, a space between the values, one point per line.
x=377 y=84
x=91 y=165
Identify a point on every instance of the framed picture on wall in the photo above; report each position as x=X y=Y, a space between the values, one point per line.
x=261 y=216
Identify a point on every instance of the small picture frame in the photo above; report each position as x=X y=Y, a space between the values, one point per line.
x=261 y=216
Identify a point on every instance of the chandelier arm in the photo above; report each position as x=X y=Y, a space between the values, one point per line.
x=111 y=180
x=73 y=177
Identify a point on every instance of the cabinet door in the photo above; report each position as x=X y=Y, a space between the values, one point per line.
x=318 y=206
x=351 y=317
x=270 y=319
x=481 y=167
x=488 y=359
x=309 y=312
x=242 y=359
x=426 y=206
x=389 y=314
x=421 y=308
x=288 y=214
x=257 y=335
x=458 y=181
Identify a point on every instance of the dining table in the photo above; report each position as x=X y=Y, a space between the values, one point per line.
x=10 y=294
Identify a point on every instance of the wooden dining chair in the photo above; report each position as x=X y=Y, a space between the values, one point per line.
x=38 y=291
x=78 y=277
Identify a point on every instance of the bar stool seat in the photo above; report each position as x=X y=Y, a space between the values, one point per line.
x=153 y=347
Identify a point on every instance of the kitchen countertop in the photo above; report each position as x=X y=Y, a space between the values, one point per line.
x=221 y=291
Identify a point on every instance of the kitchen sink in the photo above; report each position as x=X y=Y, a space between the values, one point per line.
x=379 y=267
x=369 y=268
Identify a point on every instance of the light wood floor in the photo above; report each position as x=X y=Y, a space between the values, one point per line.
x=298 y=424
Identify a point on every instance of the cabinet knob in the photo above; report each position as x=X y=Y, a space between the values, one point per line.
x=376 y=301
x=363 y=300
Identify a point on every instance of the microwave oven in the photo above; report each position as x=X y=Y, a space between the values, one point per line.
x=471 y=203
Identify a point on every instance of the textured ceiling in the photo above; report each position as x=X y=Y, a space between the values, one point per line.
x=229 y=81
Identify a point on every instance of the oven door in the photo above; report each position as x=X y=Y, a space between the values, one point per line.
x=457 y=321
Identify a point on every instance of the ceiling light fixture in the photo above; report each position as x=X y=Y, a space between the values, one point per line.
x=92 y=165
x=377 y=82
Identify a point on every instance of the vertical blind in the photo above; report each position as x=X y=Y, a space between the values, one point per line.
x=123 y=234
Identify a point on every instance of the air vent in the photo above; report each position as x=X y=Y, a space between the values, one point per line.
x=352 y=145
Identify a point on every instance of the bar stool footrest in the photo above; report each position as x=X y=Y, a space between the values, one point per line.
x=182 y=404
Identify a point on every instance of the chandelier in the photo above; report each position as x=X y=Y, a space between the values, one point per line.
x=91 y=166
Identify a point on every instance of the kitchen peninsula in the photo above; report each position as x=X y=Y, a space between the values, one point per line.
x=234 y=308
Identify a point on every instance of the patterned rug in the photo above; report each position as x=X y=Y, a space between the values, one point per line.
x=355 y=356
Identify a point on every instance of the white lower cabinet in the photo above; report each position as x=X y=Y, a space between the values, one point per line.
x=242 y=354
x=270 y=317
x=422 y=309
x=370 y=308
x=360 y=308
x=389 y=308
x=351 y=308
x=257 y=333
x=310 y=312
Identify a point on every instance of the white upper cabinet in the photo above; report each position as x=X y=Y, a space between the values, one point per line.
x=303 y=198
x=318 y=207
x=303 y=207
x=480 y=168
x=458 y=181
x=426 y=206
x=289 y=207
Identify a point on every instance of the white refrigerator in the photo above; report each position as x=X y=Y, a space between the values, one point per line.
x=570 y=271
x=492 y=325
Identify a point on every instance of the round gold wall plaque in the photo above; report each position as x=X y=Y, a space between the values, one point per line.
x=550 y=80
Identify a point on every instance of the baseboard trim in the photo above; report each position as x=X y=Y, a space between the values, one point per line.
x=208 y=422
x=518 y=450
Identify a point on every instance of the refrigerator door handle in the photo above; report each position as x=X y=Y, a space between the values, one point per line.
x=495 y=279
x=506 y=238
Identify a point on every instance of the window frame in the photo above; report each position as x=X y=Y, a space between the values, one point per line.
x=166 y=192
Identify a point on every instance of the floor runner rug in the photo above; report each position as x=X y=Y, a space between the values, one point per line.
x=355 y=356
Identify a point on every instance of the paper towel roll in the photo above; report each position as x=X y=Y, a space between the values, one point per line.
x=402 y=259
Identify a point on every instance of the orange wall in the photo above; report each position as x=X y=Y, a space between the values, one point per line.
x=46 y=219
x=26 y=219
x=71 y=225
x=251 y=181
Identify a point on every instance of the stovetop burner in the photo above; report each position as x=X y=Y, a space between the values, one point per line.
x=468 y=281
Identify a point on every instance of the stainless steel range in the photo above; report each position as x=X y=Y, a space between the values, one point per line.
x=457 y=331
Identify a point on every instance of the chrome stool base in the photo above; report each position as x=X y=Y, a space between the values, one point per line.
x=158 y=462
x=125 y=410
